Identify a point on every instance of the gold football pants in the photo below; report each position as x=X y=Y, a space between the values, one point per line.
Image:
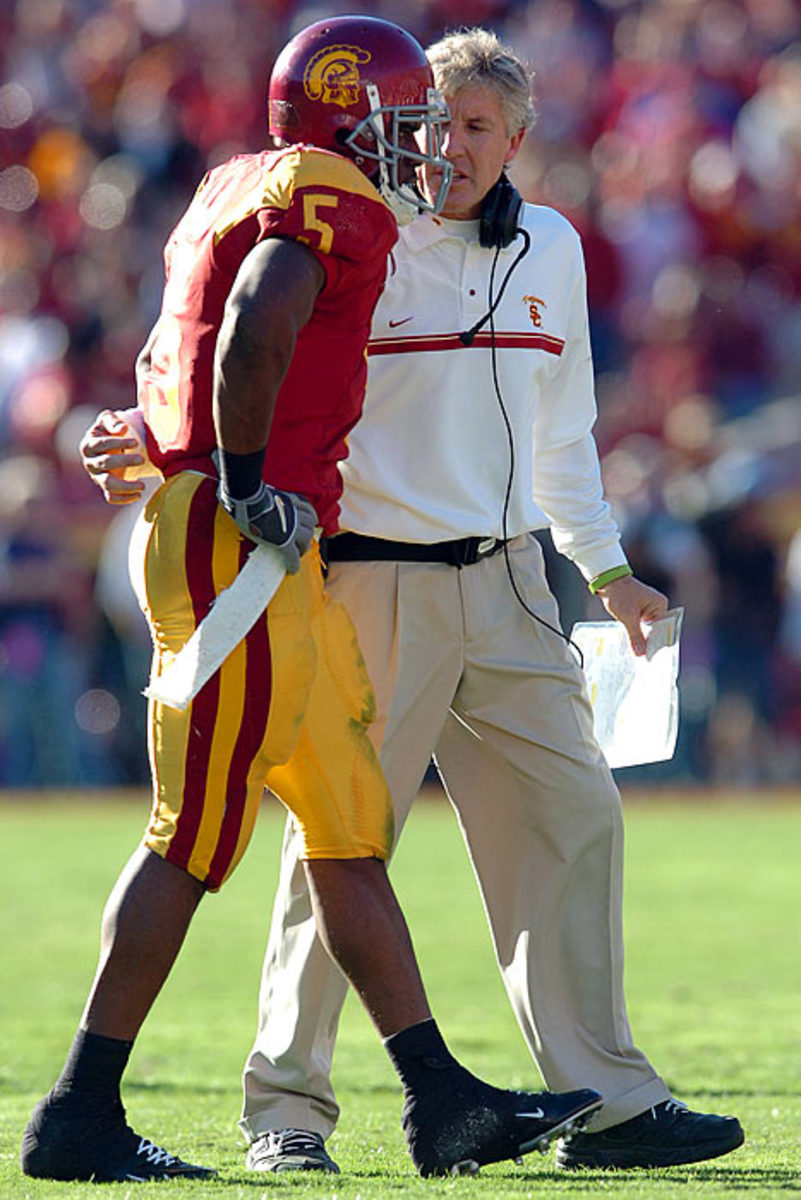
x=288 y=709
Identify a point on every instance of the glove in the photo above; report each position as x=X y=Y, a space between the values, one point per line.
x=282 y=519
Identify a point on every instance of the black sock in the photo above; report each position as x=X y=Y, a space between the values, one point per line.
x=420 y=1056
x=94 y=1068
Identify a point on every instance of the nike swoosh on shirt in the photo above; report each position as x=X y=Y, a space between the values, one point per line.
x=395 y=324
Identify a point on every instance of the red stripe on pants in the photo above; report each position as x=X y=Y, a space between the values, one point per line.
x=258 y=695
x=198 y=564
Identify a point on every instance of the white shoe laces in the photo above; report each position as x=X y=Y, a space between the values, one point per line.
x=155 y=1155
x=672 y=1106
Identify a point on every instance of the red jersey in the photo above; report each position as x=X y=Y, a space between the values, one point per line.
x=310 y=196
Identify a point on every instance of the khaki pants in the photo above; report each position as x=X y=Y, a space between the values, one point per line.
x=460 y=670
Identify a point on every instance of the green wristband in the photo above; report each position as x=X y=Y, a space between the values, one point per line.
x=610 y=576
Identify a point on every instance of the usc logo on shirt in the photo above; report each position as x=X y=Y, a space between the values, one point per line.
x=332 y=75
x=533 y=303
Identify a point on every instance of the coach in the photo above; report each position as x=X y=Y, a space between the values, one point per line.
x=476 y=431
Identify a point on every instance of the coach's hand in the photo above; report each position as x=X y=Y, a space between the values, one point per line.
x=635 y=605
x=282 y=519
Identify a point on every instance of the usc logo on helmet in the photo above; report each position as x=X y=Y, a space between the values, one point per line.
x=332 y=75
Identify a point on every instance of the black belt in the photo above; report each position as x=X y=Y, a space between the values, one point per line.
x=357 y=547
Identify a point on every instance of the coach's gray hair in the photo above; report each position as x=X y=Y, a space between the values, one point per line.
x=476 y=56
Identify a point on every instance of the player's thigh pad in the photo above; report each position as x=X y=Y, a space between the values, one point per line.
x=333 y=784
x=210 y=763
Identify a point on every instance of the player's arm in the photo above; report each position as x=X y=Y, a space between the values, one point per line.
x=272 y=298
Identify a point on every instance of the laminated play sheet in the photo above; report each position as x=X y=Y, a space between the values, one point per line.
x=635 y=701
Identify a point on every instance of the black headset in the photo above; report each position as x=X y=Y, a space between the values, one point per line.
x=500 y=215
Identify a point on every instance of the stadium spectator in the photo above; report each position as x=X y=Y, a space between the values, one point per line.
x=44 y=596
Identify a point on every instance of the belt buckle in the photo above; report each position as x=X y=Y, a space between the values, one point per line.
x=485 y=547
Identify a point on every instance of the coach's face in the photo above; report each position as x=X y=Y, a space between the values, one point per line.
x=478 y=144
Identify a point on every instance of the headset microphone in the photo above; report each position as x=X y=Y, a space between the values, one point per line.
x=467 y=336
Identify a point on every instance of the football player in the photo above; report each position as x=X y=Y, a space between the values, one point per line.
x=249 y=383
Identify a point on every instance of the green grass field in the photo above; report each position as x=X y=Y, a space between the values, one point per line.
x=713 y=923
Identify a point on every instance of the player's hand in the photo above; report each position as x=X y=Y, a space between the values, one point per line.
x=113 y=455
x=634 y=604
x=282 y=519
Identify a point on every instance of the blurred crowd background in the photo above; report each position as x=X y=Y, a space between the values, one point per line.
x=669 y=132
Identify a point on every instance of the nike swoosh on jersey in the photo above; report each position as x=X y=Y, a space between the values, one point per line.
x=395 y=324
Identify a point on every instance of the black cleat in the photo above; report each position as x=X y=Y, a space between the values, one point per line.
x=467 y=1123
x=663 y=1136
x=64 y=1140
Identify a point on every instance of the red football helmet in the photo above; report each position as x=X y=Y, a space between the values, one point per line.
x=362 y=86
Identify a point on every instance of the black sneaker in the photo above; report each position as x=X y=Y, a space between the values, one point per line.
x=467 y=1124
x=290 y=1150
x=64 y=1141
x=663 y=1136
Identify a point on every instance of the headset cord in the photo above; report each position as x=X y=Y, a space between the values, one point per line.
x=510 y=437
x=467 y=337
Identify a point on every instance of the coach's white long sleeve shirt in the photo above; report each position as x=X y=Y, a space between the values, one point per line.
x=429 y=460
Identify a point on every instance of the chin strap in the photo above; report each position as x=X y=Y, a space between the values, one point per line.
x=403 y=210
